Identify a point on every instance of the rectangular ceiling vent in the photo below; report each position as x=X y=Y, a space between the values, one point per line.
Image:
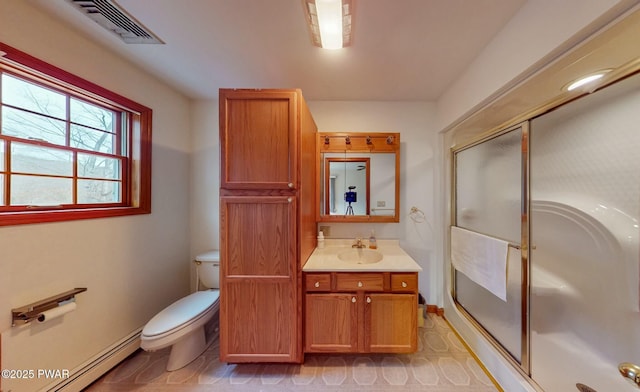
x=108 y=14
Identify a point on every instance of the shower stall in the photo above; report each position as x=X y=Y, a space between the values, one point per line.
x=563 y=191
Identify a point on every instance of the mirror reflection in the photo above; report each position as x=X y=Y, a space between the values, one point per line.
x=348 y=185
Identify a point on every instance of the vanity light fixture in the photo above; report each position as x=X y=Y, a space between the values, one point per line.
x=329 y=22
x=586 y=80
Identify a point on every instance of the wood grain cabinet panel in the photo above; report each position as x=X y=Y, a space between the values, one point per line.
x=359 y=281
x=331 y=323
x=258 y=134
x=265 y=329
x=391 y=320
x=260 y=235
x=404 y=282
x=317 y=282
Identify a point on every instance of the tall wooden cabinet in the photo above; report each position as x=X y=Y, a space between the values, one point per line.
x=267 y=222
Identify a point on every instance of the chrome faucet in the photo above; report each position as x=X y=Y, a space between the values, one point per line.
x=358 y=244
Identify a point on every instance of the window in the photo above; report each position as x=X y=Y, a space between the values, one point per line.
x=69 y=149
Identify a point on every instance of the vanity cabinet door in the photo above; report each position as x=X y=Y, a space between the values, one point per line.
x=331 y=322
x=390 y=323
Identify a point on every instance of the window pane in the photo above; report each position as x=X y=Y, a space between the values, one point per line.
x=1 y=189
x=40 y=191
x=26 y=158
x=91 y=115
x=92 y=140
x=96 y=191
x=1 y=155
x=96 y=166
x=29 y=96
x=27 y=125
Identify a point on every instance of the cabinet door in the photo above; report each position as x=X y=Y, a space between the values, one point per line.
x=258 y=136
x=259 y=293
x=391 y=323
x=331 y=323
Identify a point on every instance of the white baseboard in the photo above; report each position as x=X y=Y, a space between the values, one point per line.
x=94 y=368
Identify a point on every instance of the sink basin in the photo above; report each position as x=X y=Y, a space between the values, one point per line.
x=360 y=256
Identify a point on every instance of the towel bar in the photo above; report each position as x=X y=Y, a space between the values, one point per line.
x=518 y=247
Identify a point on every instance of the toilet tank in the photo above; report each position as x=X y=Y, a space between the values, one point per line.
x=208 y=269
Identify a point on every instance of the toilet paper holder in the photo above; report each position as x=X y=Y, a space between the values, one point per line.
x=26 y=314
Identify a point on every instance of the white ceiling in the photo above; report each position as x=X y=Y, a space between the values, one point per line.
x=402 y=49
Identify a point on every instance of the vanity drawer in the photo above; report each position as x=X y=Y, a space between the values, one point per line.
x=357 y=281
x=404 y=282
x=318 y=282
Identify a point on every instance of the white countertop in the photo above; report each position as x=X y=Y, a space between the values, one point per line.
x=394 y=259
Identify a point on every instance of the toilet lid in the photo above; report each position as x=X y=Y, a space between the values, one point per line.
x=180 y=312
x=209 y=257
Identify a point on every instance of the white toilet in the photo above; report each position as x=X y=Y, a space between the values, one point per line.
x=182 y=324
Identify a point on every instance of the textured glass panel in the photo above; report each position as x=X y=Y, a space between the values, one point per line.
x=1 y=155
x=91 y=115
x=97 y=166
x=26 y=158
x=2 y=190
x=488 y=201
x=585 y=214
x=40 y=191
x=96 y=191
x=488 y=187
x=92 y=140
x=27 y=125
x=17 y=92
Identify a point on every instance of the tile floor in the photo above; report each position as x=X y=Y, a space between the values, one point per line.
x=442 y=364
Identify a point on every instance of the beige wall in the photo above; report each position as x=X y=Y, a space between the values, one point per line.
x=132 y=266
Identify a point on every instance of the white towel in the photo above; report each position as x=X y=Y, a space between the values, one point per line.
x=481 y=258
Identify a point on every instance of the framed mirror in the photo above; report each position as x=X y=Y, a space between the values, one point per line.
x=358 y=177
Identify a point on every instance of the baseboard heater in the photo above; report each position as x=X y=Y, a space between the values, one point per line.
x=94 y=368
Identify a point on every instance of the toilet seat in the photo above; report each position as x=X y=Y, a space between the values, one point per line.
x=179 y=319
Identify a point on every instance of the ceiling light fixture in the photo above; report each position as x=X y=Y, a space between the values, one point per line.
x=330 y=22
x=586 y=80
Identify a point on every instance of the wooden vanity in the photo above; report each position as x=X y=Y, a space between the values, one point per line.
x=360 y=308
x=350 y=312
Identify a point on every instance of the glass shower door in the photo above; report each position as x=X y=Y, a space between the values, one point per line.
x=488 y=178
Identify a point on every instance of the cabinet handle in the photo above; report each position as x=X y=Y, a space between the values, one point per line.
x=289 y=199
x=404 y=284
x=317 y=284
x=359 y=284
x=290 y=185
x=368 y=300
x=353 y=299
